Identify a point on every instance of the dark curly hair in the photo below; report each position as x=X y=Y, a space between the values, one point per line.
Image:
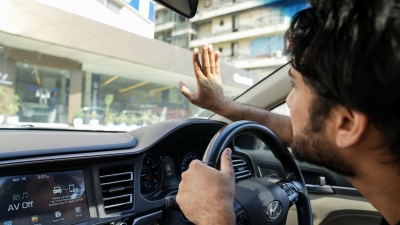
x=348 y=51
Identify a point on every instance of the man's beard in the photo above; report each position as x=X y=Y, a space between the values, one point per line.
x=312 y=144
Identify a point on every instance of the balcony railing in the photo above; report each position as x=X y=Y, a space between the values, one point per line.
x=241 y=28
x=217 y=5
x=227 y=57
x=246 y=61
x=161 y=22
x=184 y=26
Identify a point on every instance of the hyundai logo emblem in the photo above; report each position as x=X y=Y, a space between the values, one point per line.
x=274 y=209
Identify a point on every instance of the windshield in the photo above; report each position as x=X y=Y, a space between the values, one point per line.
x=116 y=64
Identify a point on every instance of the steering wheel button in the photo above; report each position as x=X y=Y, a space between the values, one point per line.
x=240 y=215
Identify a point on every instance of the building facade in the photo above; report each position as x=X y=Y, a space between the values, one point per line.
x=248 y=33
x=95 y=60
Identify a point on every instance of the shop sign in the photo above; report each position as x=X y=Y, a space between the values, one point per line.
x=243 y=80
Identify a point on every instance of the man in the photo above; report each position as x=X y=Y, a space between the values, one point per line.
x=343 y=105
x=53 y=107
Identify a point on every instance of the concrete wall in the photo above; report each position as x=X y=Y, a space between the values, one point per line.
x=126 y=20
x=217 y=28
x=204 y=30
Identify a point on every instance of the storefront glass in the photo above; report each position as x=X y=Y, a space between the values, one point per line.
x=43 y=93
x=114 y=100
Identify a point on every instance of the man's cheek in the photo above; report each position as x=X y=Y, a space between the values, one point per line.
x=295 y=125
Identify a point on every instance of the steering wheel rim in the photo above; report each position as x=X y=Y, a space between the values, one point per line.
x=223 y=137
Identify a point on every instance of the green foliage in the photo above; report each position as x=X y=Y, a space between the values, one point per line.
x=8 y=104
x=132 y=120
x=108 y=100
x=94 y=114
x=145 y=119
x=123 y=118
x=110 y=118
x=154 y=118
x=79 y=113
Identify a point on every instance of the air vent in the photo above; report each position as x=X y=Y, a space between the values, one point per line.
x=242 y=171
x=117 y=188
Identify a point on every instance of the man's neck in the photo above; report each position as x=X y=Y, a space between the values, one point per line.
x=380 y=184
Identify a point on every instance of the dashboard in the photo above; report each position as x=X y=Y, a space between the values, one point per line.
x=77 y=177
x=94 y=178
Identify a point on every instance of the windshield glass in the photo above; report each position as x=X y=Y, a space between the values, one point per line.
x=116 y=64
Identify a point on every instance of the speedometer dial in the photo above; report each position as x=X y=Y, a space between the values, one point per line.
x=150 y=176
x=188 y=159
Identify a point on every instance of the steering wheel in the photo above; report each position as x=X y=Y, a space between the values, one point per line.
x=262 y=200
x=265 y=201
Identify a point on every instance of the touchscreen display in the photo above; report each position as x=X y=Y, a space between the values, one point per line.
x=43 y=199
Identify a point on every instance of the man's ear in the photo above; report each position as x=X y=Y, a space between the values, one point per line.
x=350 y=125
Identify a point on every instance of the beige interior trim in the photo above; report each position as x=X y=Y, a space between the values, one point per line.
x=323 y=205
x=266 y=94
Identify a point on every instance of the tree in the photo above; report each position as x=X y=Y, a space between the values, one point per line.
x=8 y=104
x=109 y=117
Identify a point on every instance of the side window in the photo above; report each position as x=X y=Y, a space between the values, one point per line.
x=282 y=109
x=251 y=143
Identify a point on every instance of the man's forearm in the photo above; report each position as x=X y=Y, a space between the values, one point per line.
x=279 y=124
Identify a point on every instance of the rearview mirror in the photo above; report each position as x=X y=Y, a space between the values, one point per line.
x=186 y=8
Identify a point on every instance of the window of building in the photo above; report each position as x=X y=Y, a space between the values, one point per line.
x=235 y=23
x=221 y=23
x=268 y=47
x=167 y=16
x=181 y=19
x=43 y=93
x=193 y=37
x=113 y=6
x=234 y=49
x=220 y=50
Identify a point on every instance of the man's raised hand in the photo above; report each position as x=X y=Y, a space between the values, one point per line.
x=209 y=94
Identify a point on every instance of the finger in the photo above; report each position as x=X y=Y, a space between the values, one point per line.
x=206 y=61
x=217 y=65
x=185 y=91
x=212 y=60
x=196 y=64
x=226 y=162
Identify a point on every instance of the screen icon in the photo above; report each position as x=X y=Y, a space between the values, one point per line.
x=25 y=195
x=16 y=197
x=78 y=209
x=72 y=188
x=8 y=223
x=35 y=219
x=57 y=214
x=57 y=190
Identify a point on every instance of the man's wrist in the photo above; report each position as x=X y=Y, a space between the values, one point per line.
x=223 y=106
